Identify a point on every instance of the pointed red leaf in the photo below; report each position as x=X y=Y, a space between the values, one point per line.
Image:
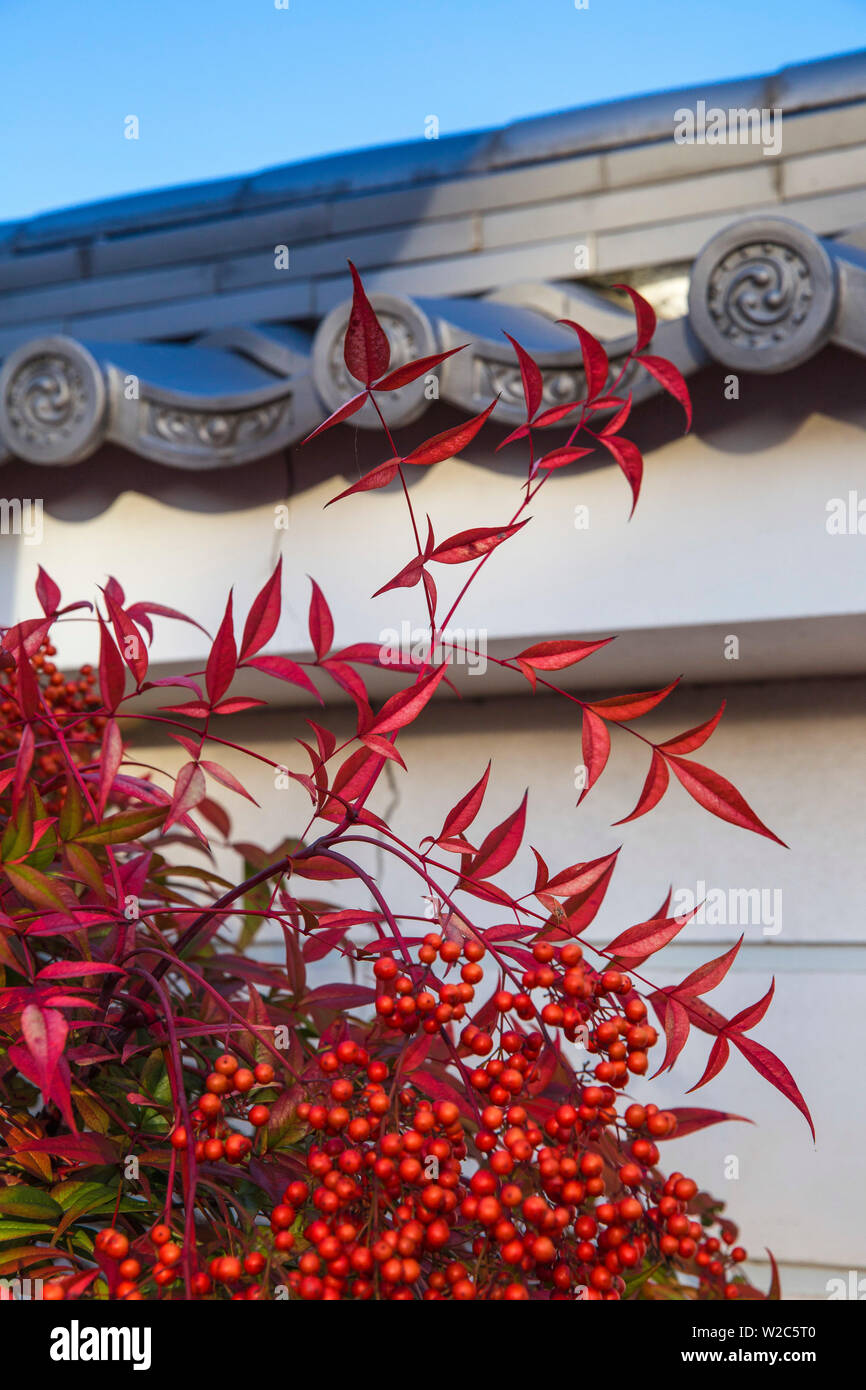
x=595 y=363
x=189 y=790
x=693 y=738
x=343 y=412
x=677 y=1027
x=467 y=808
x=223 y=659
x=321 y=624
x=616 y=421
x=226 y=779
x=556 y=655
x=112 y=755
x=112 y=674
x=409 y=576
x=654 y=788
x=717 y=795
x=707 y=976
x=450 y=442
x=47 y=593
x=622 y=707
x=469 y=545
x=768 y=1065
x=366 y=350
x=284 y=670
x=691 y=1118
x=671 y=378
x=749 y=1017
x=380 y=476
x=45 y=1032
x=530 y=375
x=501 y=845
x=406 y=705
x=132 y=645
x=579 y=879
x=645 y=316
x=264 y=614
x=410 y=371
x=630 y=460
x=638 y=943
x=560 y=458
x=595 y=744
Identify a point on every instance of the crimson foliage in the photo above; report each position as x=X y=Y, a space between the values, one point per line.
x=181 y=1119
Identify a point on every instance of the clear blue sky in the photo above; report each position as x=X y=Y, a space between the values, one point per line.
x=229 y=86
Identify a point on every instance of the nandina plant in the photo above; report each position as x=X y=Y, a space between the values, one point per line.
x=180 y=1119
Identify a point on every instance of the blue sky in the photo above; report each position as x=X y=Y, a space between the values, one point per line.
x=228 y=86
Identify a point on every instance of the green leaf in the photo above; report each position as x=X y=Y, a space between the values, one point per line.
x=72 y=811
x=33 y=1203
x=122 y=828
x=39 y=890
x=23 y=1230
x=18 y=833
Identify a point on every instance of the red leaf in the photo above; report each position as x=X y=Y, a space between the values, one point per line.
x=377 y=744
x=284 y=670
x=193 y=709
x=560 y=458
x=45 y=1032
x=321 y=623
x=645 y=315
x=707 y=976
x=112 y=756
x=768 y=1065
x=23 y=764
x=76 y=1148
x=343 y=412
x=555 y=414
x=676 y=1024
x=47 y=593
x=719 y=797
x=406 y=705
x=226 y=779
x=616 y=421
x=638 y=943
x=223 y=660
x=595 y=363
x=467 y=808
x=579 y=879
x=671 y=378
x=752 y=1015
x=691 y=1118
x=654 y=788
x=501 y=845
x=112 y=675
x=401 y=376
x=132 y=645
x=28 y=688
x=719 y=1054
x=189 y=790
x=530 y=375
x=583 y=907
x=595 y=743
x=449 y=442
x=139 y=611
x=67 y=969
x=366 y=350
x=469 y=545
x=622 y=707
x=408 y=577
x=629 y=458
x=556 y=655
x=319 y=867
x=380 y=476
x=264 y=614
x=774 y=1293
x=693 y=738
x=236 y=703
